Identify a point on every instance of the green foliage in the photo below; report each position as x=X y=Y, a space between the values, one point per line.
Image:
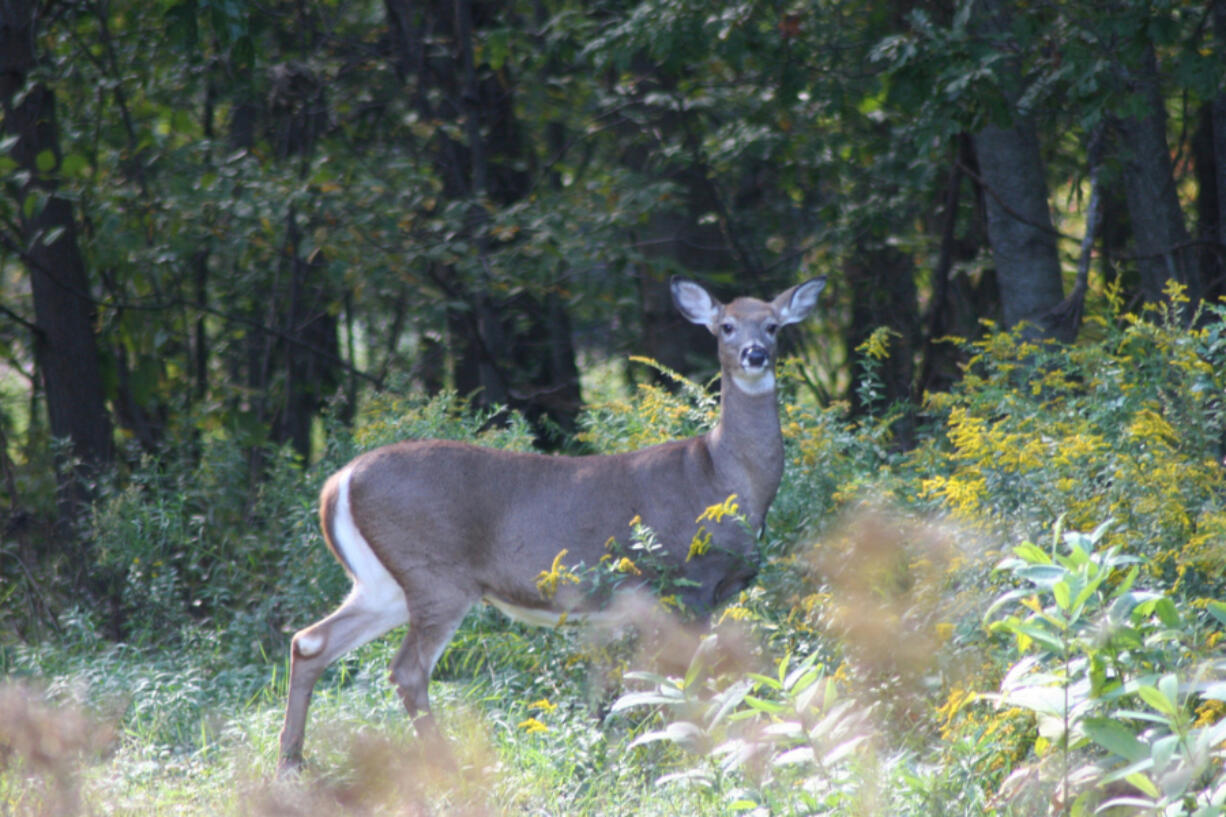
x=653 y=414
x=786 y=137
x=1108 y=667
x=1128 y=428
x=782 y=744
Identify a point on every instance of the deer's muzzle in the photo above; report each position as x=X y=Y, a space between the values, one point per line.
x=754 y=357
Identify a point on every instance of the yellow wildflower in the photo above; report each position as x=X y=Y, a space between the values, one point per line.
x=877 y=345
x=625 y=565
x=716 y=513
x=548 y=581
x=531 y=725
x=700 y=544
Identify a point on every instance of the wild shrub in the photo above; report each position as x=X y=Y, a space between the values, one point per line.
x=1126 y=693
x=1130 y=428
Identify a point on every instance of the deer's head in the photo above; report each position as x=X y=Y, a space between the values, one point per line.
x=747 y=329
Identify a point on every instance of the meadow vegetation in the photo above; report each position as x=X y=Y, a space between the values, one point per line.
x=1022 y=615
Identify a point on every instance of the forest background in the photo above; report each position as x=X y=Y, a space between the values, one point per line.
x=241 y=241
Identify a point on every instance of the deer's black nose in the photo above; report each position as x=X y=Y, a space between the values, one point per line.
x=754 y=357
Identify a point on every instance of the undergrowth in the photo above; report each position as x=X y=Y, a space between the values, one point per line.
x=1023 y=615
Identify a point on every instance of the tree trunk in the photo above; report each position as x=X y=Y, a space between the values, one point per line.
x=1216 y=285
x=1206 y=163
x=1015 y=196
x=1019 y=223
x=66 y=350
x=1160 y=234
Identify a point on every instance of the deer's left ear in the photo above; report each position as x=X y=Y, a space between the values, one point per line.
x=795 y=304
x=695 y=303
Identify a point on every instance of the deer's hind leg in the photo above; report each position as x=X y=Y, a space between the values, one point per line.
x=365 y=615
x=437 y=611
x=375 y=605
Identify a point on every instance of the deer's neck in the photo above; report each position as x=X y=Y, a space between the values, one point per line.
x=747 y=448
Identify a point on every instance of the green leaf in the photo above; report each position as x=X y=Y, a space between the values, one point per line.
x=762 y=705
x=1156 y=700
x=45 y=161
x=1168 y=614
x=651 y=698
x=1168 y=685
x=1060 y=590
x=729 y=699
x=1115 y=737
x=1217 y=609
x=74 y=164
x=1144 y=784
x=52 y=235
x=1032 y=553
x=1042 y=575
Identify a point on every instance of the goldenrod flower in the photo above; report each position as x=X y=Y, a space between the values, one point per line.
x=531 y=725
x=700 y=544
x=547 y=581
x=716 y=513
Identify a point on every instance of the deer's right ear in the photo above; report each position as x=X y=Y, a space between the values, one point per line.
x=695 y=303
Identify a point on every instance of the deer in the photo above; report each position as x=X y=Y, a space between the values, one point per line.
x=426 y=529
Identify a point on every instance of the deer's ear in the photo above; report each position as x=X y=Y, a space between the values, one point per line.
x=795 y=304
x=695 y=303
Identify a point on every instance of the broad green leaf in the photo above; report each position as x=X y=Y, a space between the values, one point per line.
x=1163 y=750
x=74 y=164
x=1042 y=635
x=1156 y=699
x=1032 y=553
x=1143 y=783
x=1167 y=613
x=1042 y=575
x=1115 y=737
x=1168 y=685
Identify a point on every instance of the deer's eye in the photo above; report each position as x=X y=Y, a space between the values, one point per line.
x=772 y=328
x=727 y=328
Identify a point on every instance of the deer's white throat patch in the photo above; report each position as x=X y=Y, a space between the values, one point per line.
x=763 y=383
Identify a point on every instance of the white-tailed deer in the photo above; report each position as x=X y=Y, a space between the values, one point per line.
x=426 y=529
